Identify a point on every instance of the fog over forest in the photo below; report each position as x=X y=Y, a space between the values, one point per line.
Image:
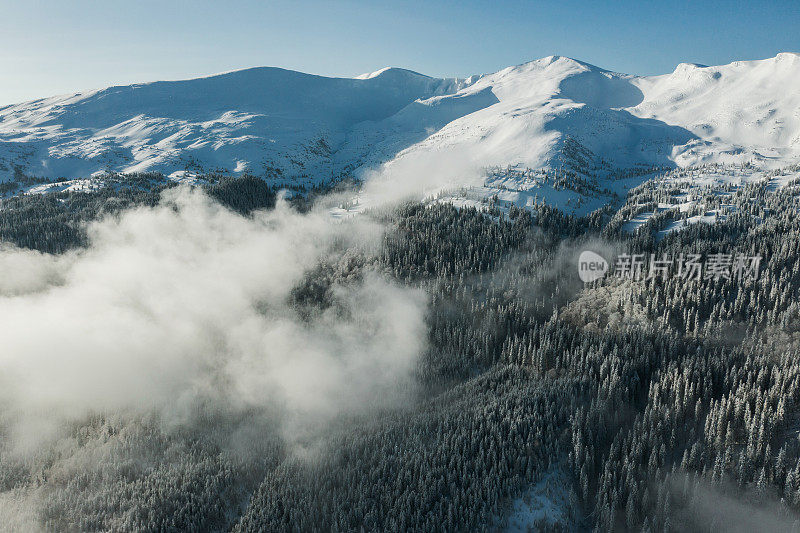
x=552 y=297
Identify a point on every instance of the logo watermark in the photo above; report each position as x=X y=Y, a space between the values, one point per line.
x=592 y=266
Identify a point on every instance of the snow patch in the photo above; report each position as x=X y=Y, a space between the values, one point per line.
x=548 y=503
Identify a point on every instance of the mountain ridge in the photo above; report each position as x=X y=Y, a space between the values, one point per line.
x=302 y=129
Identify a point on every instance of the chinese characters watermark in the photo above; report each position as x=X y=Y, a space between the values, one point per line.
x=592 y=266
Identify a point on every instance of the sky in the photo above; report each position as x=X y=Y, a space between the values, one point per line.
x=56 y=47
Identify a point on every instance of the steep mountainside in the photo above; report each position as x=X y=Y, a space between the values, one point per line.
x=271 y=121
x=556 y=116
x=735 y=113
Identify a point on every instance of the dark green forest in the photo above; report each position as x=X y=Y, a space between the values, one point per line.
x=669 y=405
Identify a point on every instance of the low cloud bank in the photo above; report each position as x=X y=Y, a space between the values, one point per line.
x=418 y=174
x=184 y=306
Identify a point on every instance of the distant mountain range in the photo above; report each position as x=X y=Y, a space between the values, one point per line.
x=301 y=129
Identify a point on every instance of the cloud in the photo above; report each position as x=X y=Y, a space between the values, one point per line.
x=416 y=174
x=729 y=509
x=184 y=306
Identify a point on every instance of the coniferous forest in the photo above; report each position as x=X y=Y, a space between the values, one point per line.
x=662 y=404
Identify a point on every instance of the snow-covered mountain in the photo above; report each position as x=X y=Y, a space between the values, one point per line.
x=270 y=121
x=745 y=111
x=550 y=114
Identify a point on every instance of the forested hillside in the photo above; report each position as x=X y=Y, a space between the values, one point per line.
x=668 y=404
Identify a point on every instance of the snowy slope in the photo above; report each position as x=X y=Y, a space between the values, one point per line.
x=591 y=133
x=270 y=121
x=748 y=110
x=532 y=127
x=735 y=113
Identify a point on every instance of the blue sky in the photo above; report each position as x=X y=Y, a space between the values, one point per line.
x=54 y=47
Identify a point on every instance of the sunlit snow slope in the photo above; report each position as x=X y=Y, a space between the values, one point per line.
x=552 y=115
x=745 y=111
x=272 y=122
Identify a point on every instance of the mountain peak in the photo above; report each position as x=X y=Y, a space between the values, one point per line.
x=787 y=57
x=689 y=66
x=396 y=71
x=370 y=75
x=561 y=60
